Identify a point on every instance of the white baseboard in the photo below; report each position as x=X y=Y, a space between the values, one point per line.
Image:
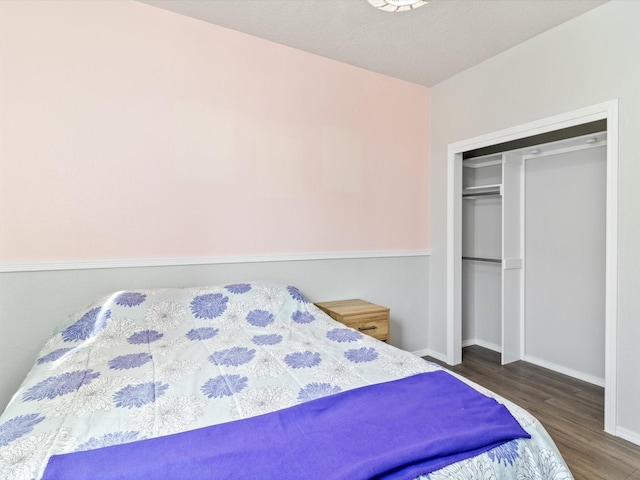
x=536 y=361
x=482 y=343
x=565 y=371
x=633 y=437
x=427 y=352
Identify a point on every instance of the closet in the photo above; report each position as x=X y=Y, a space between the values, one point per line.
x=491 y=253
x=533 y=254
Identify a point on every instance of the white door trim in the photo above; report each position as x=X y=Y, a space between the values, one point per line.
x=604 y=111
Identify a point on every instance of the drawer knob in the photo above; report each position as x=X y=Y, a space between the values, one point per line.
x=372 y=327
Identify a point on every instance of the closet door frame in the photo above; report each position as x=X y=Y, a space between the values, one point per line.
x=604 y=111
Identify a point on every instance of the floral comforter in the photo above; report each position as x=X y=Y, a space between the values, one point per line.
x=142 y=364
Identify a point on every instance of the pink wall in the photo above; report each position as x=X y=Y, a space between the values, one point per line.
x=127 y=131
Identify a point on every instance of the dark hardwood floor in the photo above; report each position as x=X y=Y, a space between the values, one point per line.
x=572 y=411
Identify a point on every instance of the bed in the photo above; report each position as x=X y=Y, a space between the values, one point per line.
x=251 y=380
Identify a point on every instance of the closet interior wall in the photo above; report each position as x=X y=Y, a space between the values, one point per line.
x=565 y=261
x=481 y=252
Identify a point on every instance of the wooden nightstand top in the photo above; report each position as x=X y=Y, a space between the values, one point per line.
x=351 y=307
x=365 y=317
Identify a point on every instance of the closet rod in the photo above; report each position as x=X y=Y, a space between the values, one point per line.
x=480 y=259
x=480 y=194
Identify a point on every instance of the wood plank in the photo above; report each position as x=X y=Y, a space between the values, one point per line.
x=572 y=411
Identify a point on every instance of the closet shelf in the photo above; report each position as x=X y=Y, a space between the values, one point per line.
x=486 y=161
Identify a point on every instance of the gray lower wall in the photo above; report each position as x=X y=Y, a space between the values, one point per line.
x=33 y=304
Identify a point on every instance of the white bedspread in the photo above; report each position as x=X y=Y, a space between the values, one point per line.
x=142 y=364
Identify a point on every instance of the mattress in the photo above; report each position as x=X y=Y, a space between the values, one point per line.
x=141 y=369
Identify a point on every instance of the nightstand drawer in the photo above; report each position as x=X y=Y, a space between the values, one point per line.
x=366 y=317
x=376 y=327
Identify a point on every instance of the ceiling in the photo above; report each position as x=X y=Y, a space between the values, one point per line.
x=423 y=46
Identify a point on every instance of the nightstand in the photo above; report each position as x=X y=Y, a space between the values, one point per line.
x=363 y=316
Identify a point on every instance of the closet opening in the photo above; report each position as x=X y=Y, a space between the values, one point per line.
x=532 y=246
x=533 y=253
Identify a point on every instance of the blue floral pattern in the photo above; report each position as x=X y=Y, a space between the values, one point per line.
x=202 y=333
x=269 y=339
x=296 y=294
x=507 y=452
x=135 y=396
x=315 y=390
x=145 y=336
x=341 y=335
x=232 y=357
x=302 y=317
x=55 y=355
x=305 y=359
x=239 y=288
x=156 y=362
x=132 y=360
x=109 y=439
x=209 y=305
x=130 y=299
x=89 y=325
x=18 y=427
x=224 y=386
x=53 y=387
x=361 y=355
x=260 y=318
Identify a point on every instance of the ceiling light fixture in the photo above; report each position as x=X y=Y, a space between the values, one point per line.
x=397 y=5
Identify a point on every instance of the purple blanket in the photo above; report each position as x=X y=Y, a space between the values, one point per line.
x=393 y=430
